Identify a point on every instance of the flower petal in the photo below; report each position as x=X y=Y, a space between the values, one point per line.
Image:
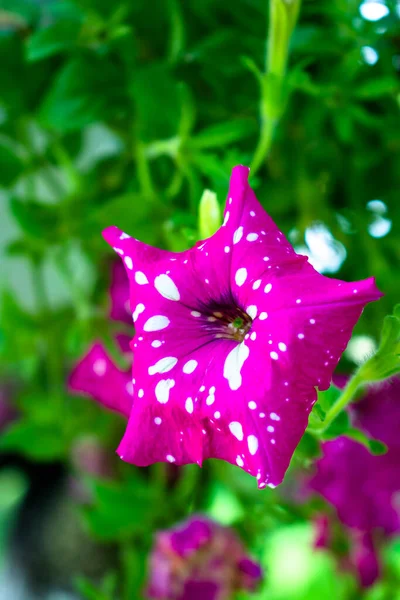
x=97 y=376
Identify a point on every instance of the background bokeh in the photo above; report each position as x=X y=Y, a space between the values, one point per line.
x=122 y=113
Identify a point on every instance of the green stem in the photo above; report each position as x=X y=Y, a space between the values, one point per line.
x=282 y=19
x=346 y=397
x=143 y=170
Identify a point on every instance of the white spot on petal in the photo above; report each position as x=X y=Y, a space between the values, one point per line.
x=252 y=311
x=256 y=284
x=241 y=276
x=156 y=343
x=217 y=414
x=124 y=236
x=312 y=321
x=301 y=336
x=282 y=347
x=163 y=365
x=252 y=405
x=237 y=236
x=274 y=355
x=190 y=366
x=252 y=237
x=236 y=429
x=239 y=461
x=195 y=313
x=162 y=390
x=274 y=417
x=226 y=218
x=252 y=443
x=170 y=458
x=157 y=420
x=271 y=428
x=166 y=287
x=189 y=405
x=141 y=278
x=141 y=393
x=253 y=336
x=100 y=367
x=128 y=262
x=233 y=365
x=227 y=249
x=252 y=213
x=263 y=316
x=138 y=311
x=210 y=398
x=156 y=323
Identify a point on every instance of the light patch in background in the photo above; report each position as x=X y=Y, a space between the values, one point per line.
x=324 y=252
x=99 y=143
x=224 y=506
x=369 y=55
x=380 y=225
x=296 y=570
x=373 y=10
x=360 y=348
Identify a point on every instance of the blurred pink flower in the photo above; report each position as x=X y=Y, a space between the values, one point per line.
x=96 y=374
x=361 y=487
x=200 y=560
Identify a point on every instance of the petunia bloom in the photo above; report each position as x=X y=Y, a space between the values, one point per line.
x=200 y=560
x=361 y=487
x=96 y=374
x=232 y=338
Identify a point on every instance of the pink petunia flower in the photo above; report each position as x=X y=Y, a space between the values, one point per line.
x=361 y=487
x=96 y=374
x=200 y=560
x=232 y=338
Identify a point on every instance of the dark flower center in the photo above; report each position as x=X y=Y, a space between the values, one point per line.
x=227 y=322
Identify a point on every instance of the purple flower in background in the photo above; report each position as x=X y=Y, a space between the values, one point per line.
x=232 y=338
x=362 y=487
x=200 y=560
x=96 y=374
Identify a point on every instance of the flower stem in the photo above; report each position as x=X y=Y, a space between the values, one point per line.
x=345 y=398
x=282 y=19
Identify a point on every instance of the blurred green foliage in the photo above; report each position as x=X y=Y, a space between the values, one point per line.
x=122 y=113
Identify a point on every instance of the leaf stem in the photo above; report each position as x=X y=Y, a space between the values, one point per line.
x=282 y=19
x=345 y=398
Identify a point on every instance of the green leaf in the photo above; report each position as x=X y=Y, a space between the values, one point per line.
x=376 y=447
x=60 y=36
x=39 y=442
x=338 y=427
x=85 y=90
x=152 y=87
x=327 y=398
x=309 y=447
x=223 y=134
x=37 y=220
x=376 y=88
x=121 y=510
x=11 y=165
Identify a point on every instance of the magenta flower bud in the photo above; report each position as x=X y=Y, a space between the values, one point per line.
x=233 y=336
x=200 y=560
